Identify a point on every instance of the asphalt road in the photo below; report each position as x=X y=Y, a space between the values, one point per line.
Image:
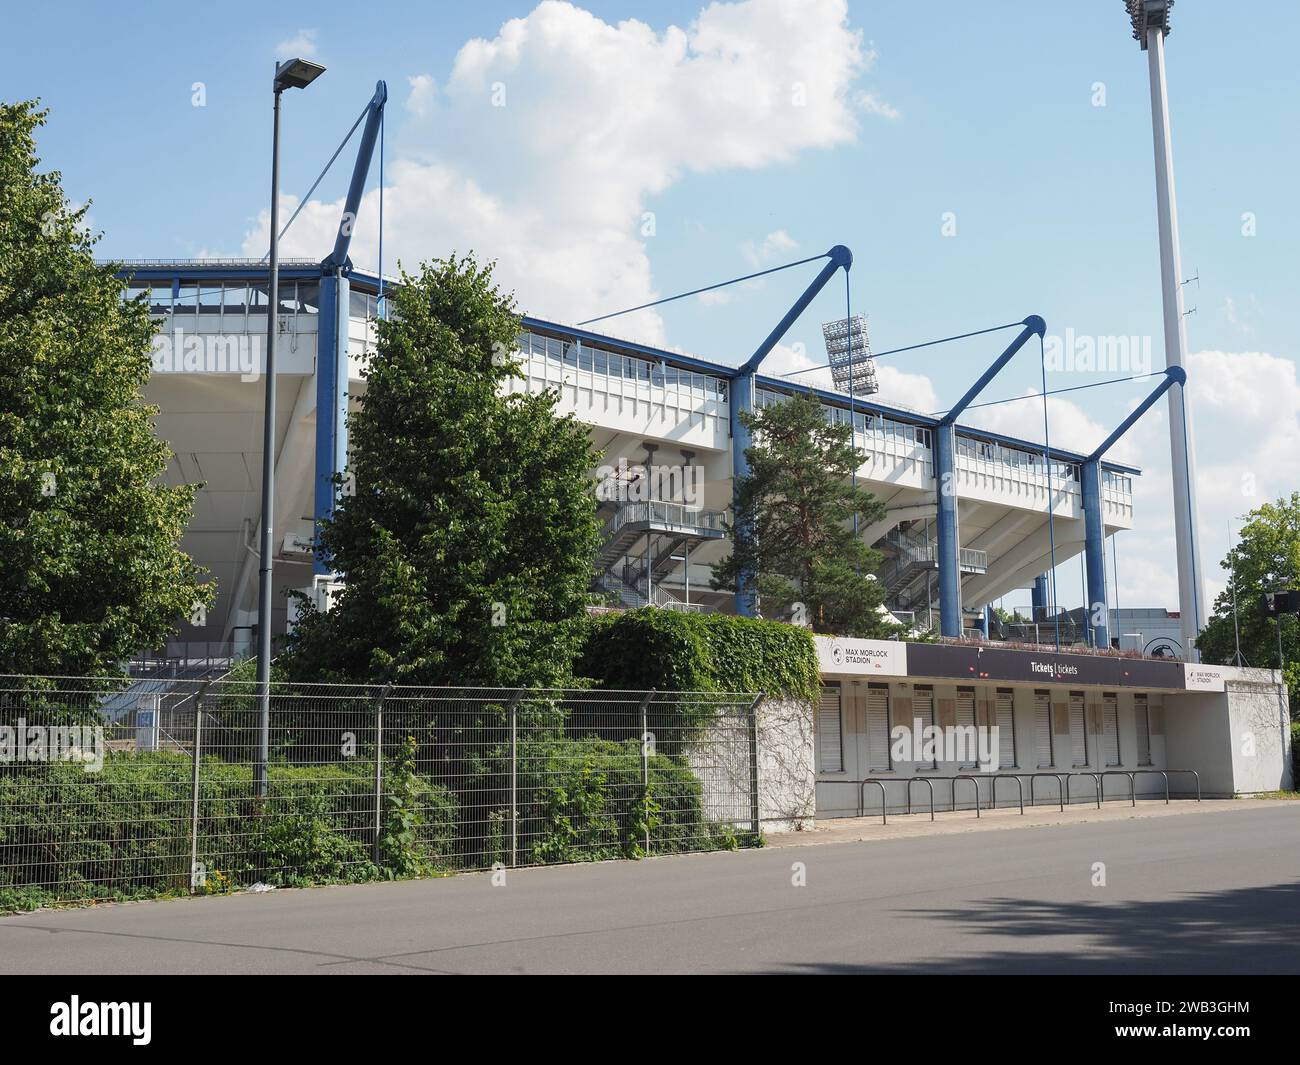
x=1202 y=892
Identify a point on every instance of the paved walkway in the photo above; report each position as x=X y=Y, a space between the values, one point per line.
x=904 y=826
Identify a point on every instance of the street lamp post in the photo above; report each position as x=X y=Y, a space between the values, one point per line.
x=291 y=74
x=1150 y=19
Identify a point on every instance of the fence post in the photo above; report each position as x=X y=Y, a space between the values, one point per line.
x=754 y=813
x=513 y=712
x=379 y=771
x=645 y=765
x=194 y=784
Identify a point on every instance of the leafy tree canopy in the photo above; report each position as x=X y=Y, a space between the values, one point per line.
x=1266 y=558
x=90 y=565
x=793 y=523
x=467 y=542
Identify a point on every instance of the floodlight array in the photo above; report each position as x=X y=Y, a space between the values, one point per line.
x=848 y=349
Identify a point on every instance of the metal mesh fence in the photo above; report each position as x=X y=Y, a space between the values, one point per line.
x=112 y=789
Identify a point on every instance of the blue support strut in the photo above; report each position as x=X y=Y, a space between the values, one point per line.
x=945 y=484
x=1094 y=523
x=332 y=340
x=742 y=399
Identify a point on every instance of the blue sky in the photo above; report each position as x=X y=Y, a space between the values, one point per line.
x=983 y=113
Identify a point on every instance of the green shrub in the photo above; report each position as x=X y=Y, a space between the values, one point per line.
x=583 y=800
x=125 y=832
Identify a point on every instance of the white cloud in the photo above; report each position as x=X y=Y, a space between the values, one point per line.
x=302 y=45
x=788 y=358
x=1246 y=432
x=419 y=101
x=775 y=245
x=871 y=103
x=547 y=144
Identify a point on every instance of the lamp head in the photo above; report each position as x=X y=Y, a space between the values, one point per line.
x=296 y=74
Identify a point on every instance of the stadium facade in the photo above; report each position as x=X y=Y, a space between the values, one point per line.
x=663 y=420
x=665 y=424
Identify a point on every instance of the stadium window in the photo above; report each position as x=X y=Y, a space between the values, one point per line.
x=1006 y=723
x=877 y=723
x=1078 y=730
x=160 y=299
x=1142 y=718
x=210 y=298
x=234 y=299
x=1043 y=728
x=830 y=744
x=923 y=711
x=1110 y=728
x=308 y=297
x=966 y=720
x=187 y=298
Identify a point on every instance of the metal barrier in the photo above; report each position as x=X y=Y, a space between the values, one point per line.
x=1157 y=773
x=928 y=784
x=1060 y=787
x=1062 y=784
x=1132 y=789
x=993 y=790
x=975 y=782
x=1096 y=783
x=862 y=791
x=1194 y=774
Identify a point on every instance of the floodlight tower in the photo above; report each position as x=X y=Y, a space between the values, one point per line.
x=1150 y=20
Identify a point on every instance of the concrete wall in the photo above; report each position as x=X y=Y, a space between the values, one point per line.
x=786 y=764
x=837 y=793
x=1236 y=740
x=721 y=760
x=1260 y=724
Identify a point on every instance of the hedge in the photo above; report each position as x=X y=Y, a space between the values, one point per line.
x=124 y=832
x=674 y=651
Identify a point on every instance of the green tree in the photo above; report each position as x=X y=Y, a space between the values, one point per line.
x=467 y=541
x=90 y=565
x=793 y=523
x=1266 y=558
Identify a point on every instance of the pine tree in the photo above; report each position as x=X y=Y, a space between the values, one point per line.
x=467 y=542
x=90 y=565
x=793 y=524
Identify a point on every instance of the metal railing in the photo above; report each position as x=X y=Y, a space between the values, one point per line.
x=668 y=515
x=1062 y=782
x=362 y=782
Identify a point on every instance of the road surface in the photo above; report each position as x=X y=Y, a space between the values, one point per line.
x=1202 y=892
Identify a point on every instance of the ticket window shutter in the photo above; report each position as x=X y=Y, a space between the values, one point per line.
x=966 y=720
x=1006 y=721
x=1043 y=728
x=830 y=740
x=878 y=729
x=1110 y=729
x=923 y=709
x=1143 y=720
x=1078 y=730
